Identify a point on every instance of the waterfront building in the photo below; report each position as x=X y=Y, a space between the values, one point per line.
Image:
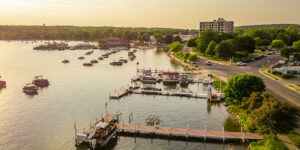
x=220 y=25
x=113 y=43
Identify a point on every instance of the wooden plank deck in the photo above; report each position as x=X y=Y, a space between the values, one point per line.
x=170 y=93
x=188 y=132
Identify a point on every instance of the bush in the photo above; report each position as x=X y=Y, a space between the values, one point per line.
x=269 y=143
x=288 y=76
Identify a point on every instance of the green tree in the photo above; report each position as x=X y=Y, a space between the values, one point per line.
x=193 y=58
x=205 y=38
x=168 y=39
x=278 y=43
x=176 y=47
x=192 y=42
x=261 y=42
x=225 y=49
x=177 y=38
x=211 y=48
x=286 y=52
x=283 y=36
x=186 y=55
x=158 y=38
x=245 y=43
x=242 y=86
x=274 y=116
x=253 y=102
x=296 y=46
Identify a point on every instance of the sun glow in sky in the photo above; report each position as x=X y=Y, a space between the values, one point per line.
x=147 y=13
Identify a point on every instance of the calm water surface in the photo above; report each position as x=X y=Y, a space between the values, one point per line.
x=77 y=93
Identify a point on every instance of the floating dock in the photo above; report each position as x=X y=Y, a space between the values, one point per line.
x=124 y=91
x=162 y=71
x=170 y=93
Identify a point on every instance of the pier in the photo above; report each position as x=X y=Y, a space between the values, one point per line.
x=183 y=133
x=162 y=71
x=188 y=133
x=170 y=93
x=124 y=91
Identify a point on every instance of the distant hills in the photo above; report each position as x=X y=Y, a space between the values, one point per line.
x=264 y=26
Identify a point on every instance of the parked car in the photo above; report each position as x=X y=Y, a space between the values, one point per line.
x=240 y=64
x=208 y=63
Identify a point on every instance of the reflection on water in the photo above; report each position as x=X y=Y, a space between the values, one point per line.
x=78 y=93
x=232 y=124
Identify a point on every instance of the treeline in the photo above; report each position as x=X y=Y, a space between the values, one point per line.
x=267 y=26
x=243 y=42
x=81 y=33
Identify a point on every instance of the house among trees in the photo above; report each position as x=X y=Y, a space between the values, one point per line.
x=108 y=43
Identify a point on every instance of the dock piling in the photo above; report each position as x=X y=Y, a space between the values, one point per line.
x=223 y=134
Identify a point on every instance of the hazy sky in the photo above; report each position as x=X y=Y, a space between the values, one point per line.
x=147 y=13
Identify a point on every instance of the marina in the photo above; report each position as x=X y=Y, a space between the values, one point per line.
x=66 y=101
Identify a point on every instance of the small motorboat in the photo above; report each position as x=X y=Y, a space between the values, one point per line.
x=81 y=57
x=40 y=82
x=87 y=64
x=94 y=61
x=123 y=60
x=65 y=61
x=30 y=89
x=137 y=63
x=2 y=84
x=105 y=56
x=89 y=53
x=116 y=63
x=100 y=58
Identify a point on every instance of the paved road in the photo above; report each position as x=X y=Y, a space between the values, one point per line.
x=276 y=88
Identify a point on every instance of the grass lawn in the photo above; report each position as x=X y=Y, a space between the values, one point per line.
x=294 y=137
x=293 y=87
x=269 y=75
x=216 y=83
x=267 y=144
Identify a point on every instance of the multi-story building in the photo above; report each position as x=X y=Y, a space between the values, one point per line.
x=220 y=25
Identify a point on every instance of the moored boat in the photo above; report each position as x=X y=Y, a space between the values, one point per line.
x=65 y=61
x=30 y=89
x=170 y=77
x=149 y=80
x=89 y=53
x=151 y=90
x=123 y=60
x=94 y=61
x=88 y=64
x=40 y=82
x=116 y=63
x=81 y=57
x=100 y=58
x=2 y=84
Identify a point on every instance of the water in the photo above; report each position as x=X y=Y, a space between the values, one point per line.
x=78 y=93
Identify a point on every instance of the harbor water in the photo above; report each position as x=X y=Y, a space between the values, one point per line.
x=78 y=94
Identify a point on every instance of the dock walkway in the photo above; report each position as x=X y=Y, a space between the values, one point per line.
x=171 y=93
x=188 y=132
x=123 y=91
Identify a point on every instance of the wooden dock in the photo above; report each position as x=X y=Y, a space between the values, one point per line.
x=124 y=91
x=162 y=71
x=188 y=133
x=170 y=93
x=136 y=130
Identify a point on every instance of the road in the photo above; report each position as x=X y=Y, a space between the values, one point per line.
x=274 y=87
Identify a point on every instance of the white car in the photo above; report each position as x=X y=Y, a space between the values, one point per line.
x=240 y=64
